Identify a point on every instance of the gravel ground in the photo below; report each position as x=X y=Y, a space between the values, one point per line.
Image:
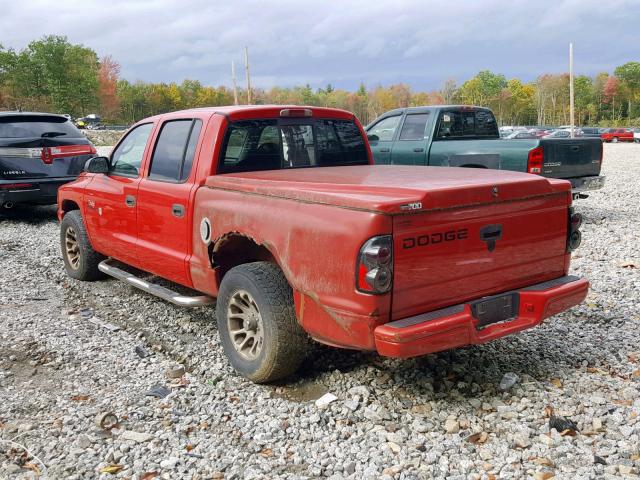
x=441 y=416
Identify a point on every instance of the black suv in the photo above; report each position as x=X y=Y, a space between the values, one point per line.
x=38 y=153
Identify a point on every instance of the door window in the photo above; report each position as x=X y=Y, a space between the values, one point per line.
x=127 y=157
x=174 y=151
x=385 y=129
x=414 y=126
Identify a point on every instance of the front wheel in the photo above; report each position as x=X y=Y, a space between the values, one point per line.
x=614 y=139
x=257 y=322
x=80 y=259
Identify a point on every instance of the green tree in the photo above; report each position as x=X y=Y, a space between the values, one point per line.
x=629 y=75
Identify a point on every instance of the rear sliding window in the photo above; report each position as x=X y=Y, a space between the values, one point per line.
x=26 y=126
x=466 y=124
x=277 y=144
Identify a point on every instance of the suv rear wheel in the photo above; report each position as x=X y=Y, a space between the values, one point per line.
x=257 y=322
x=80 y=259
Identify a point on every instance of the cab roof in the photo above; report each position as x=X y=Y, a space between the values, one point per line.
x=246 y=112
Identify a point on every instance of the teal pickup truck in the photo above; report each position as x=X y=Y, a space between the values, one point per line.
x=466 y=136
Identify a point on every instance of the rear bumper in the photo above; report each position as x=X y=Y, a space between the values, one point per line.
x=42 y=191
x=582 y=184
x=456 y=326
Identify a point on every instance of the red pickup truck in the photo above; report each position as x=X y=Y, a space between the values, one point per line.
x=279 y=213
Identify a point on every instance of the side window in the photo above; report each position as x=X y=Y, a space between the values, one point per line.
x=450 y=125
x=414 y=126
x=385 y=129
x=191 y=150
x=467 y=124
x=174 y=151
x=127 y=157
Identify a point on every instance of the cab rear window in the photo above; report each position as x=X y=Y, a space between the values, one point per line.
x=37 y=126
x=277 y=144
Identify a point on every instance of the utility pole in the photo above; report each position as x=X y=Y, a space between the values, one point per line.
x=571 y=102
x=235 y=85
x=246 y=66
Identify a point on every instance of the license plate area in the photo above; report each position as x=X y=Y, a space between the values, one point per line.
x=498 y=308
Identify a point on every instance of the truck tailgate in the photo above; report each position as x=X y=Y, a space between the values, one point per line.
x=571 y=157
x=445 y=257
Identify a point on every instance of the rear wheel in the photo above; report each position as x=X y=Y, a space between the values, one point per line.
x=257 y=323
x=80 y=259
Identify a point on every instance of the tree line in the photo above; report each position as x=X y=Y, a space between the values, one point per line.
x=51 y=74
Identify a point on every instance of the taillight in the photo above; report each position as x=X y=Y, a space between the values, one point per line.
x=48 y=154
x=535 y=160
x=374 y=270
x=15 y=186
x=574 y=237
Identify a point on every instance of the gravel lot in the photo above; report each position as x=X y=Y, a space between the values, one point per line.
x=441 y=416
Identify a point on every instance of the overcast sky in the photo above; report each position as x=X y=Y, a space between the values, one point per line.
x=293 y=42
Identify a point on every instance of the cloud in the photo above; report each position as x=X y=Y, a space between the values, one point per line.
x=339 y=42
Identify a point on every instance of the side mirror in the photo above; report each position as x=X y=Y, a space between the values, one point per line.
x=97 y=165
x=373 y=138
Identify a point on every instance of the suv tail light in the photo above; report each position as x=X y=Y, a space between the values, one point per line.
x=535 y=160
x=574 y=237
x=374 y=270
x=48 y=154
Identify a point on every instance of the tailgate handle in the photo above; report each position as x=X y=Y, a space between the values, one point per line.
x=575 y=148
x=490 y=234
x=385 y=150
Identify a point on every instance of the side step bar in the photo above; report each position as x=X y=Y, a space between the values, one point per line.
x=153 y=289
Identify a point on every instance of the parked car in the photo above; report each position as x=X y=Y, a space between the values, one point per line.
x=467 y=136
x=636 y=135
x=520 y=135
x=616 y=135
x=591 y=132
x=278 y=212
x=39 y=152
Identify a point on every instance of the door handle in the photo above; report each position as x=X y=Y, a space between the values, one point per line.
x=130 y=200
x=177 y=210
x=385 y=150
x=418 y=149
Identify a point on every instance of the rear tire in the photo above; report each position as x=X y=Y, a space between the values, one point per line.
x=257 y=323
x=80 y=259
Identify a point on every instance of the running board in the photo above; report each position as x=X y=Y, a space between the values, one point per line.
x=153 y=289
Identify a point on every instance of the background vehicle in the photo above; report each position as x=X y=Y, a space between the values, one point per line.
x=38 y=153
x=277 y=212
x=616 y=135
x=520 y=135
x=591 y=132
x=636 y=135
x=464 y=136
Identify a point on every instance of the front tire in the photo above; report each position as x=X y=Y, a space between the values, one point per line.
x=614 y=139
x=257 y=322
x=80 y=259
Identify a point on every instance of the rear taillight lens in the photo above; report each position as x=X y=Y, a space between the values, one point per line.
x=535 y=160
x=574 y=237
x=48 y=154
x=375 y=265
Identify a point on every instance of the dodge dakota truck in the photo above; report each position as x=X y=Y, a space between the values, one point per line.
x=465 y=136
x=279 y=214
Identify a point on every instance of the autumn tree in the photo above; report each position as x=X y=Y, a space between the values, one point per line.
x=107 y=87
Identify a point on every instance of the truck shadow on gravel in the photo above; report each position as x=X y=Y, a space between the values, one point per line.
x=29 y=214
